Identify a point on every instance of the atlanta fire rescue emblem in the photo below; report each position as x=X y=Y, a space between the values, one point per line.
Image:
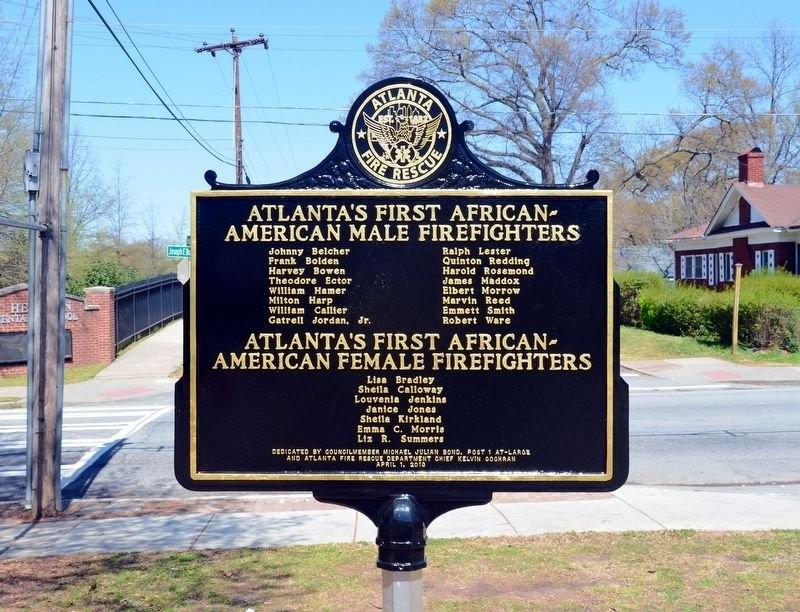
x=401 y=134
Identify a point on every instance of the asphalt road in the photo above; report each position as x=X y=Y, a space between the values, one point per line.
x=724 y=437
x=89 y=432
x=718 y=437
x=712 y=438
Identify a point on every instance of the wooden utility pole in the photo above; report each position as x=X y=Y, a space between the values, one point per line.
x=47 y=319
x=737 y=291
x=235 y=49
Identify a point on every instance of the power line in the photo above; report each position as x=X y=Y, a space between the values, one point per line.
x=338 y=109
x=331 y=31
x=145 y=138
x=173 y=118
x=317 y=124
x=164 y=89
x=313 y=124
x=213 y=153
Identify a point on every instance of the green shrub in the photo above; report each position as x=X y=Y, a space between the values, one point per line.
x=769 y=312
x=671 y=310
x=102 y=274
x=717 y=314
x=780 y=281
x=631 y=283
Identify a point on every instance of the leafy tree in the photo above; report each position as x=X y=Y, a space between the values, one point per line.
x=102 y=274
x=531 y=74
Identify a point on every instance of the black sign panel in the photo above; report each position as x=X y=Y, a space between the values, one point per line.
x=14 y=347
x=402 y=336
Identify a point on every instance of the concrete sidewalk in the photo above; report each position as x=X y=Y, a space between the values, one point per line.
x=279 y=519
x=146 y=368
x=710 y=371
x=285 y=520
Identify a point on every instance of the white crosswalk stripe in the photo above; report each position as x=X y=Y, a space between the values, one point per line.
x=88 y=431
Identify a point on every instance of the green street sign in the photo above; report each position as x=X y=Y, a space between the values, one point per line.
x=178 y=251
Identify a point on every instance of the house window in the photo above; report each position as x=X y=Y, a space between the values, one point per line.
x=711 y=269
x=693 y=266
x=765 y=260
x=725 y=267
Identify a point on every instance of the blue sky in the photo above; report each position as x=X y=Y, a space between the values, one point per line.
x=290 y=93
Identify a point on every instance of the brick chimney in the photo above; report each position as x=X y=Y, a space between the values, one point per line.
x=751 y=167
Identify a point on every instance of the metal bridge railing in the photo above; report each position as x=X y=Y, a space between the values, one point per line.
x=146 y=305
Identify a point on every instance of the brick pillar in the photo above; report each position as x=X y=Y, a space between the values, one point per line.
x=101 y=301
x=751 y=167
x=742 y=255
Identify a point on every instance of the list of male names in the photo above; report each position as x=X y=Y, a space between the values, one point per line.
x=308 y=286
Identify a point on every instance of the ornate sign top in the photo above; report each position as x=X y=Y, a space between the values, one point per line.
x=401 y=133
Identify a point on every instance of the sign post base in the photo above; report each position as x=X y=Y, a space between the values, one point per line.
x=402 y=591
x=401 y=553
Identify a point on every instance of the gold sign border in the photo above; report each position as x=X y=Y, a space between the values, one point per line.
x=405 y=476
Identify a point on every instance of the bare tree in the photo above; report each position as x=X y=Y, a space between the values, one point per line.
x=742 y=95
x=530 y=73
x=153 y=243
x=90 y=198
x=119 y=215
x=15 y=138
x=179 y=226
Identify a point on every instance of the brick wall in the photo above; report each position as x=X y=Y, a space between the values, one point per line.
x=90 y=320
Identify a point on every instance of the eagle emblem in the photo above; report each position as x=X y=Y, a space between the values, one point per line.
x=402 y=136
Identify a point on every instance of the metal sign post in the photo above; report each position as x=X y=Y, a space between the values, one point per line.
x=401 y=553
x=402 y=592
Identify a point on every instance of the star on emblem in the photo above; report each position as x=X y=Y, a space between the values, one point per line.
x=361 y=133
x=441 y=133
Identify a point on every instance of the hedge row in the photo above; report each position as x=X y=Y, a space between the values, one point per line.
x=769 y=310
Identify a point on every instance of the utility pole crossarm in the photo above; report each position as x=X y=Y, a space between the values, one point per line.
x=235 y=48
x=235 y=45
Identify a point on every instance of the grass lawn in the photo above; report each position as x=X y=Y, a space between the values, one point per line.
x=71 y=375
x=641 y=344
x=667 y=570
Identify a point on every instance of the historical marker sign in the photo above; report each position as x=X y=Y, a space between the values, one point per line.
x=410 y=337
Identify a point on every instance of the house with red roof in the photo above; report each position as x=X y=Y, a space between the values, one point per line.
x=755 y=225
